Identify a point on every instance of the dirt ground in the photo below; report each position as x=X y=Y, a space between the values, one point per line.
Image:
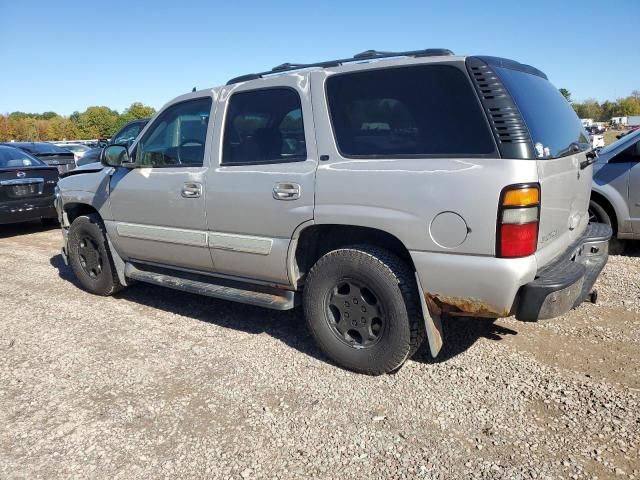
x=155 y=383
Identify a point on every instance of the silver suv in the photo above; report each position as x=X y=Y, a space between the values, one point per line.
x=387 y=192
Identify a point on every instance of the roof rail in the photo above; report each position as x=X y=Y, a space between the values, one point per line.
x=362 y=56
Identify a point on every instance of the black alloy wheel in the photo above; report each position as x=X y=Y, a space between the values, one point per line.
x=355 y=313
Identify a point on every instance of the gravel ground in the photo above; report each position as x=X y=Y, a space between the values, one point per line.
x=158 y=383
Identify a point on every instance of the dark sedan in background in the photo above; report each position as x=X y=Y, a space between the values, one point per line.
x=50 y=154
x=26 y=187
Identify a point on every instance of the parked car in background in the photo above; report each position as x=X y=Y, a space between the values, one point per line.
x=26 y=187
x=615 y=197
x=260 y=191
x=77 y=149
x=124 y=136
x=596 y=140
x=52 y=155
x=634 y=129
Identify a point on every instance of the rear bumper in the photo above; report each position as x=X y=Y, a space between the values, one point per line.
x=565 y=283
x=23 y=211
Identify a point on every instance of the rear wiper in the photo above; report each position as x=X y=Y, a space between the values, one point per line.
x=592 y=156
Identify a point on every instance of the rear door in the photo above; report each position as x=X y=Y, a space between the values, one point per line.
x=262 y=185
x=560 y=145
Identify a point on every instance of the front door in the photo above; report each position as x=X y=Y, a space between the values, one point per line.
x=157 y=208
x=262 y=187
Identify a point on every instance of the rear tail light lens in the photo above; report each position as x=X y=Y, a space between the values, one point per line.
x=518 y=219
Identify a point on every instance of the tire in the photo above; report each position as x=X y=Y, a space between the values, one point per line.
x=361 y=306
x=597 y=213
x=90 y=258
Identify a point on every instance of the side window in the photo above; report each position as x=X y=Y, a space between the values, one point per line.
x=629 y=154
x=264 y=126
x=127 y=135
x=417 y=110
x=177 y=137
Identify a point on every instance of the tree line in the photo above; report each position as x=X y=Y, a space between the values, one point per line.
x=94 y=122
x=603 y=112
x=103 y=122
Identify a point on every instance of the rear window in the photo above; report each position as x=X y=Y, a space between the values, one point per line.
x=407 y=111
x=14 y=158
x=40 y=148
x=554 y=127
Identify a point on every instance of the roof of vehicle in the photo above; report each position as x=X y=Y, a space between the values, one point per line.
x=38 y=147
x=370 y=56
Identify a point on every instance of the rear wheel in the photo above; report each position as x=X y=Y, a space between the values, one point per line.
x=361 y=306
x=598 y=214
x=90 y=258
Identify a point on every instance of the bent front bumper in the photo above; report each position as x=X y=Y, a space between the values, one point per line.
x=565 y=283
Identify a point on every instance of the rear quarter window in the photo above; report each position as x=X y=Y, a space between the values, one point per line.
x=407 y=111
x=553 y=125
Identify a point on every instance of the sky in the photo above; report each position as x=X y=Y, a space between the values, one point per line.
x=64 y=56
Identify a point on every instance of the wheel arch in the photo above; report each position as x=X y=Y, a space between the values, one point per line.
x=73 y=210
x=612 y=206
x=311 y=241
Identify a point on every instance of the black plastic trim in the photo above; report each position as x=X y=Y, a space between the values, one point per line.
x=568 y=280
x=511 y=64
x=358 y=57
x=507 y=124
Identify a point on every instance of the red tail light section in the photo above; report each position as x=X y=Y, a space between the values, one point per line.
x=518 y=220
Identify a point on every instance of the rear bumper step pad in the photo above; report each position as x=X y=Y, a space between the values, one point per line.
x=566 y=282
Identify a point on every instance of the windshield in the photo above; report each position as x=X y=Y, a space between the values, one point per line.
x=629 y=138
x=13 y=158
x=554 y=127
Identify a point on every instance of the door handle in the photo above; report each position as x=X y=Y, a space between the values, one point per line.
x=191 y=190
x=286 y=191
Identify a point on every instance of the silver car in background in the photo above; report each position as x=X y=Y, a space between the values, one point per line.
x=615 y=198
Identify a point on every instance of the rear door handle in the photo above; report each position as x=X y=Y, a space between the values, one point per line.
x=286 y=191
x=192 y=190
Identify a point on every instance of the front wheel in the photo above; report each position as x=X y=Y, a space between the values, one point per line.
x=362 y=307
x=89 y=256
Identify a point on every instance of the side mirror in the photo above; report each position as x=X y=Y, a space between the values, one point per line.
x=115 y=156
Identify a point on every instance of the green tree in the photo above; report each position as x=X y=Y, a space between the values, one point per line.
x=590 y=108
x=47 y=115
x=628 y=106
x=566 y=94
x=4 y=129
x=135 y=111
x=96 y=122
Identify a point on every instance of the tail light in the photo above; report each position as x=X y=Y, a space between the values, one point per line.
x=518 y=219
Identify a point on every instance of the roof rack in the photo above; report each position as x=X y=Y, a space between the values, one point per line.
x=362 y=56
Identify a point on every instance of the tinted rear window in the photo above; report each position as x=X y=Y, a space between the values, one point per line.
x=407 y=111
x=553 y=125
x=14 y=158
x=39 y=148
